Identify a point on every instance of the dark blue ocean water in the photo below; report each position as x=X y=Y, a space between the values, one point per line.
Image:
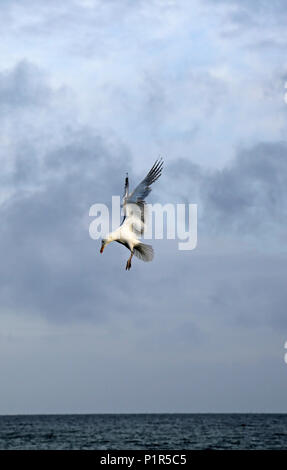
x=144 y=431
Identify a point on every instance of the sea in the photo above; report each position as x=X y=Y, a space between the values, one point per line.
x=144 y=431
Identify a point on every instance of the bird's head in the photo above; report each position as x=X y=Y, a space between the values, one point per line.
x=104 y=243
x=110 y=237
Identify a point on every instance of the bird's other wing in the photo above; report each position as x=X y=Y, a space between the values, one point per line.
x=125 y=197
x=126 y=193
x=143 y=189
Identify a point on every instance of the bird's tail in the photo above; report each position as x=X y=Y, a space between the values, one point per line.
x=144 y=252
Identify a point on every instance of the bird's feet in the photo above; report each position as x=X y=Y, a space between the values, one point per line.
x=128 y=265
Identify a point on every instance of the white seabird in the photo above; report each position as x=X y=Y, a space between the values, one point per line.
x=134 y=221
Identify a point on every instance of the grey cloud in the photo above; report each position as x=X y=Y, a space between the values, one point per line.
x=48 y=259
x=51 y=267
x=249 y=194
x=257 y=6
x=245 y=197
x=22 y=86
x=50 y=263
x=87 y=21
x=259 y=26
x=254 y=15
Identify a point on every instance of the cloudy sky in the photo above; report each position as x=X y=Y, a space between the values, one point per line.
x=90 y=89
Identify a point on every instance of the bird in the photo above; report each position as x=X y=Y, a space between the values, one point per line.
x=134 y=220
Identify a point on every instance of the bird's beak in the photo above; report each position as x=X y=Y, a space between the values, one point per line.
x=102 y=248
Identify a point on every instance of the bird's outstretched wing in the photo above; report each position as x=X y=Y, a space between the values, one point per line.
x=134 y=203
x=143 y=189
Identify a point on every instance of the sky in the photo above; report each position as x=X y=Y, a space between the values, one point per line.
x=91 y=89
